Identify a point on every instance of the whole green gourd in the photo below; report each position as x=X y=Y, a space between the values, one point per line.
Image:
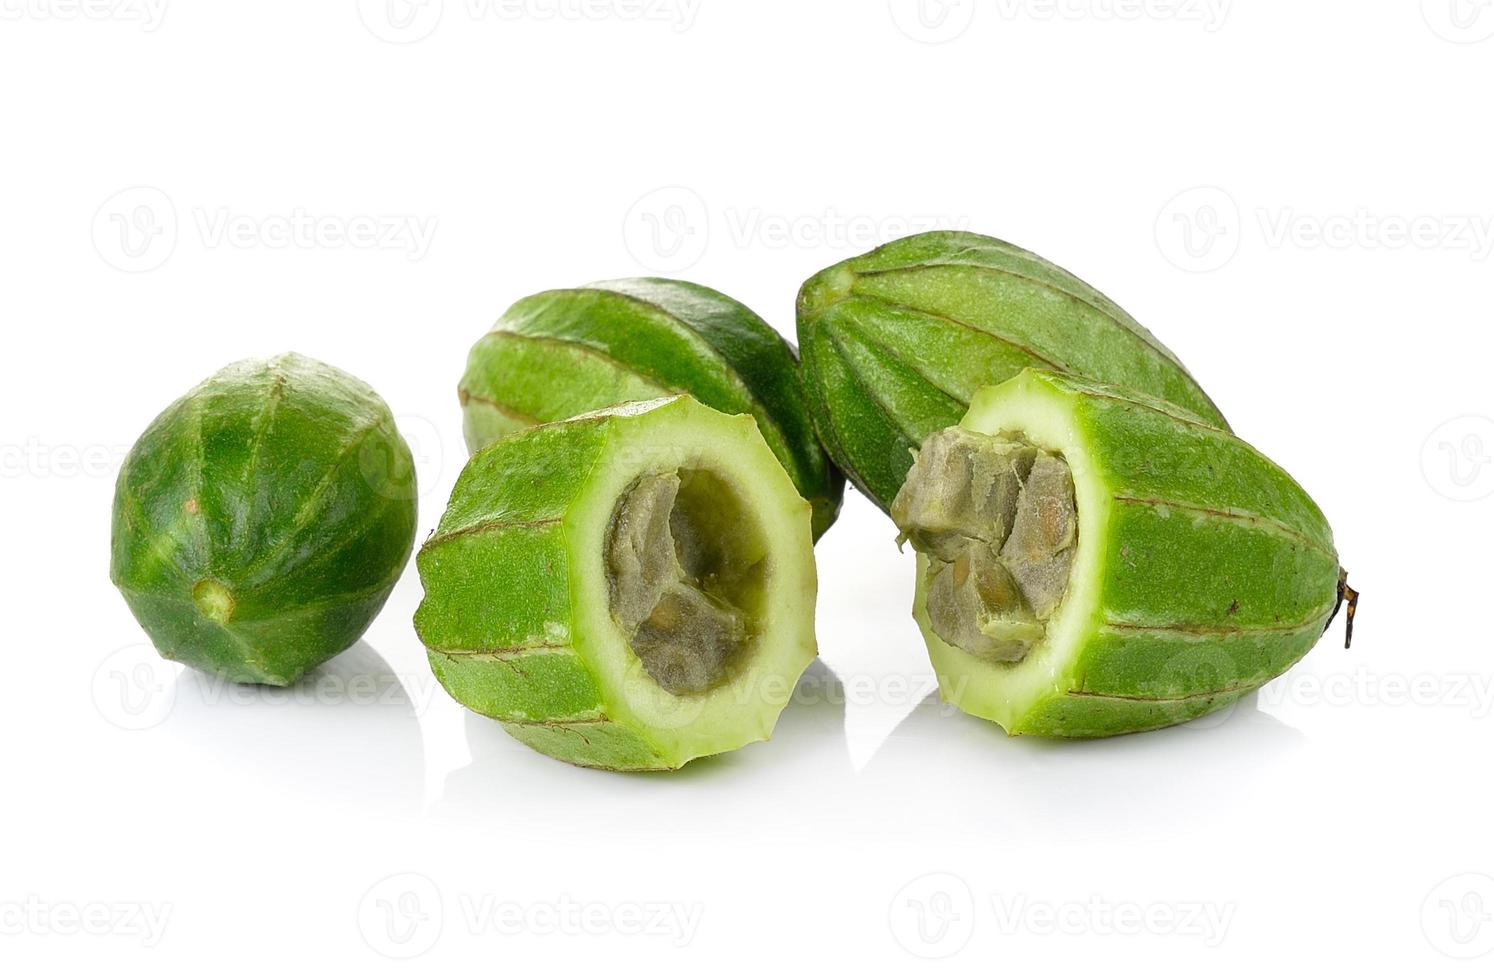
x=262 y=519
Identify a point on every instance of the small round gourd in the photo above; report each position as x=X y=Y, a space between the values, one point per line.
x=262 y=520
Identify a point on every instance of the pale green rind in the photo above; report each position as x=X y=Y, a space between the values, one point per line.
x=1094 y=716
x=484 y=423
x=592 y=745
x=905 y=335
x=514 y=381
x=539 y=684
x=861 y=428
x=496 y=587
x=516 y=613
x=1203 y=569
x=560 y=353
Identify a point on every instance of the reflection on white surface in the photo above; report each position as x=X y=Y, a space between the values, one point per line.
x=345 y=734
x=988 y=782
x=806 y=745
x=939 y=771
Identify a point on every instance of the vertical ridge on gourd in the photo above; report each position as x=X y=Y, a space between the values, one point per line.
x=523 y=616
x=560 y=353
x=262 y=519
x=1202 y=570
x=895 y=342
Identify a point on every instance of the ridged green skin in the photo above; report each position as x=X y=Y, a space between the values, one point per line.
x=560 y=353
x=262 y=520
x=895 y=342
x=516 y=614
x=1203 y=569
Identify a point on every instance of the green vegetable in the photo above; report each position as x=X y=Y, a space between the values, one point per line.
x=261 y=520
x=561 y=353
x=628 y=589
x=1094 y=561
x=895 y=342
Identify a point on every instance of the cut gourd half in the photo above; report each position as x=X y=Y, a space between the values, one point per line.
x=629 y=589
x=1093 y=561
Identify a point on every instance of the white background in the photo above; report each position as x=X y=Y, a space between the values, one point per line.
x=1295 y=197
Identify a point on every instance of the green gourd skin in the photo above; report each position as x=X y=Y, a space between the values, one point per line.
x=517 y=617
x=558 y=354
x=262 y=519
x=895 y=342
x=1203 y=569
